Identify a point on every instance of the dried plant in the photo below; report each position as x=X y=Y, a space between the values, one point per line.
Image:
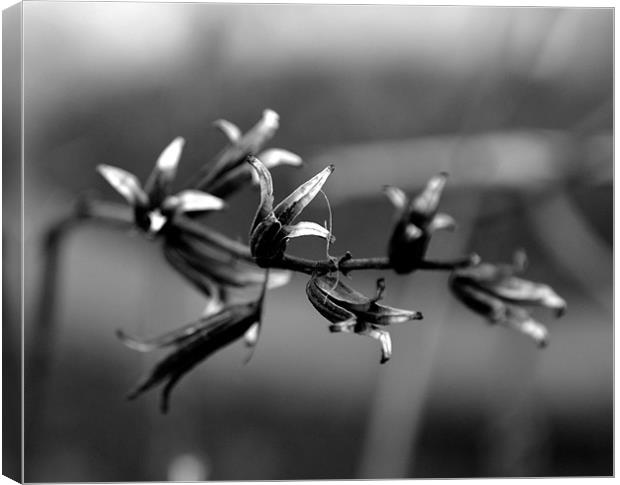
x=213 y=263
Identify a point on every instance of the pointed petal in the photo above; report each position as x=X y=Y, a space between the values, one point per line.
x=442 y=221
x=277 y=156
x=308 y=229
x=397 y=197
x=266 y=191
x=426 y=203
x=287 y=210
x=253 y=332
x=169 y=159
x=124 y=183
x=158 y=183
x=518 y=319
x=230 y=130
x=194 y=349
x=251 y=339
x=251 y=336
x=386 y=315
x=383 y=337
x=256 y=137
x=193 y=201
x=526 y=292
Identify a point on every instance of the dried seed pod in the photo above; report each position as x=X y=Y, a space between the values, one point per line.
x=195 y=342
x=352 y=312
x=272 y=228
x=417 y=220
x=228 y=173
x=493 y=291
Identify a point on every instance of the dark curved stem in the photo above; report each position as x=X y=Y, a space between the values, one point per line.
x=310 y=266
x=43 y=341
x=120 y=215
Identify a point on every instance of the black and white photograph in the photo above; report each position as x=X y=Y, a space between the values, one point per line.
x=306 y=241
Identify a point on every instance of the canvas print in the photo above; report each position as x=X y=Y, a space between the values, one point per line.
x=306 y=242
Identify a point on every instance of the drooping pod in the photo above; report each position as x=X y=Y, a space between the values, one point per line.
x=493 y=291
x=417 y=220
x=194 y=342
x=351 y=311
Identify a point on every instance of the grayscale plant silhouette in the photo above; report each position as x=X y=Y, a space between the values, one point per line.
x=215 y=264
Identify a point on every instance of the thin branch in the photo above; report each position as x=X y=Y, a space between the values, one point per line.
x=120 y=215
x=310 y=266
x=345 y=265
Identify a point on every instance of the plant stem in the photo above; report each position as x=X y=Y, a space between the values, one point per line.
x=120 y=215
x=310 y=266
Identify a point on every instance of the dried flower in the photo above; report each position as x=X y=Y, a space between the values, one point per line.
x=229 y=173
x=417 y=220
x=194 y=343
x=153 y=206
x=494 y=292
x=352 y=312
x=272 y=227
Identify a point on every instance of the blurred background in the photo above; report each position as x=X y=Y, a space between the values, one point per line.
x=516 y=104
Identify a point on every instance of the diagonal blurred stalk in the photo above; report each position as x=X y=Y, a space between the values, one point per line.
x=403 y=387
x=45 y=327
x=394 y=424
x=515 y=435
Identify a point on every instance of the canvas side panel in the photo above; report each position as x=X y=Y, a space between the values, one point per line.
x=12 y=242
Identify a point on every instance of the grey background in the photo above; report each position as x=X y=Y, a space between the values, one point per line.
x=515 y=103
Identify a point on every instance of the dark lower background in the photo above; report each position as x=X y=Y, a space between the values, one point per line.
x=515 y=103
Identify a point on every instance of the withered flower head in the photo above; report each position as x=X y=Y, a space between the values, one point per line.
x=229 y=173
x=352 y=312
x=272 y=227
x=417 y=220
x=493 y=291
x=194 y=342
x=153 y=205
